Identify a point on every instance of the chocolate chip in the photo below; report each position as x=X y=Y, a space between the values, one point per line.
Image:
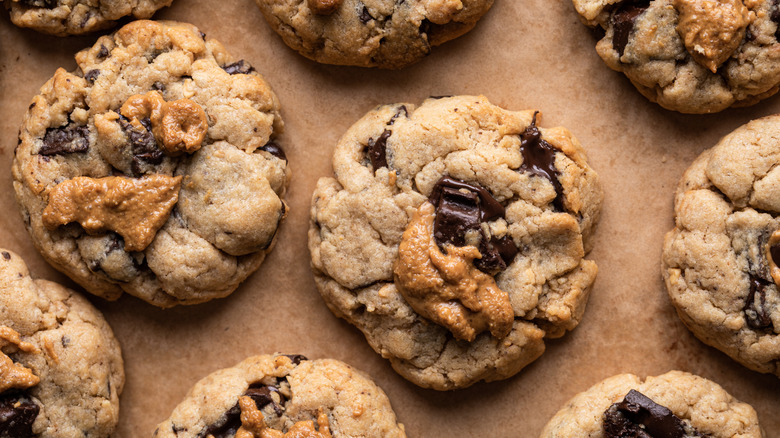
x=497 y=254
x=48 y=4
x=202 y=35
x=17 y=414
x=539 y=159
x=6 y=255
x=65 y=140
x=623 y=23
x=103 y=52
x=239 y=67
x=143 y=146
x=775 y=17
x=639 y=416
x=365 y=17
x=92 y=76
x=756 y=313
x=65 y=341
x=274 y=149
x=297 y=358
x=443 y=96
x=377 y=150
x=159 y=86
x=230 y=422
x=774 y=252
x=398 y=112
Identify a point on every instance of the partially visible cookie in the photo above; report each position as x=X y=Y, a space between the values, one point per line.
x=454 y=237
x=720 y=262
x=152 y=169
x=61 y=370
x=692 y=56
x=75 y=17
x=673 y=405
x=370 y=33
x=276 y=396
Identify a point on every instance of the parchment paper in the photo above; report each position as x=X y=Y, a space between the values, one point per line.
x=529 y=54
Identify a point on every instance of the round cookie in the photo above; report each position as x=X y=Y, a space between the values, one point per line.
x=152 y=169
x=75 y=17
x=276 y=396
x=61 y=369
x=691 y=56
x=370 y=33
x=454 y=236
x=720 y=261
x=673 y=405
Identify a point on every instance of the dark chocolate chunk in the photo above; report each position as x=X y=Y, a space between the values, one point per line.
x=48 y=4
x=623 y=23
x=400 y=111
x=6 y=255
x=756 y=313
x=497 y=254
x=274 y=149
x=65 y=140
x=775 y=17
x=159 y=86
x=142 y=144
x=239 y=67
x=65 y=341
x=92 y=75
x=639 y=416
x=774 y=252
x=539 y=159
x=17 y=414
x=443 y=96
x=230 y=422
x=365 y=17
x=377 y=150
x=103 y=52
x=456 y=213
x=297 y=358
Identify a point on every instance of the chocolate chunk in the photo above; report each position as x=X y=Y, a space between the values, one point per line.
x=756 y=313
x=461 y=207
x=6 y=255
x=143 y=146
x=775 y=17
x=92 y=76
x=638 y=416
x=365 y=17
x=65 y=140
x=48 y=4
x=774 y=252
x=159 y=86
x=297 y=358
x=623 y=23
x=103 y=52
x=274 y=149
x=231 y=420
x=400 y=111
x=539 y=159
x=239 y=67
x=377 y=150
x=17 y=414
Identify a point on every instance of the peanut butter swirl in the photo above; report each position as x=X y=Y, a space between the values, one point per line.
x=253 y=424
x=12 y=375
x=133 y=208
x=447 y=288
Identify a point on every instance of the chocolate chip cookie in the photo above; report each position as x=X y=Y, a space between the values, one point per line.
x=277 y=396
x=673 y=405
x=720 y=262
x=370 y=33
x=153 y=169
x=61 y=370
x=692 y=56
x=454 y=236
x=74 y=17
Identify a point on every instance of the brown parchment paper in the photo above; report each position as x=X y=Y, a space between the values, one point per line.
x=523 y=54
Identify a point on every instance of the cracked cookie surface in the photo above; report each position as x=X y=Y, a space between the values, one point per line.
x=126 y=168
x=691 y=56
x=370 y=33
x=68 y=348
x=75 y=17
x=720 y=261
x=454 y=236
x=286 y=395
x=702 y=409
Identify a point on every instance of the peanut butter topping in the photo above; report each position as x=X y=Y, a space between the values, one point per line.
x=253 y=424
x=180 y=126
x=447 y=288
x=712 y=29
x=14 y=376
x=133 y=208
x=324 y=7
x=772 y=253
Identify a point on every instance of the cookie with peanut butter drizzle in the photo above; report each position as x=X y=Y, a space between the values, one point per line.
x=279 y=396
x=692 y=56
x=454 y=237
x=370 y=33
x=126 y=166
x=721 y=261
x=61 y=370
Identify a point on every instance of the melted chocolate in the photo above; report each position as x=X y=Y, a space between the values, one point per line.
x=377 y=150
x=17 y=415
x=637 y=416
x=65 y=140
x=623 y=23
x=274 y=149
x=756 y=312
x=539 y=159
x=231 y=420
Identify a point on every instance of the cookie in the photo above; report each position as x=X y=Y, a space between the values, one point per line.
x=370 y=33
x=720 y=263
x=454 y=236
x=61 y=370
x=691 y=56
x=277 y=396
x=674 y=405
x=153 y=169
x=75 y=17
